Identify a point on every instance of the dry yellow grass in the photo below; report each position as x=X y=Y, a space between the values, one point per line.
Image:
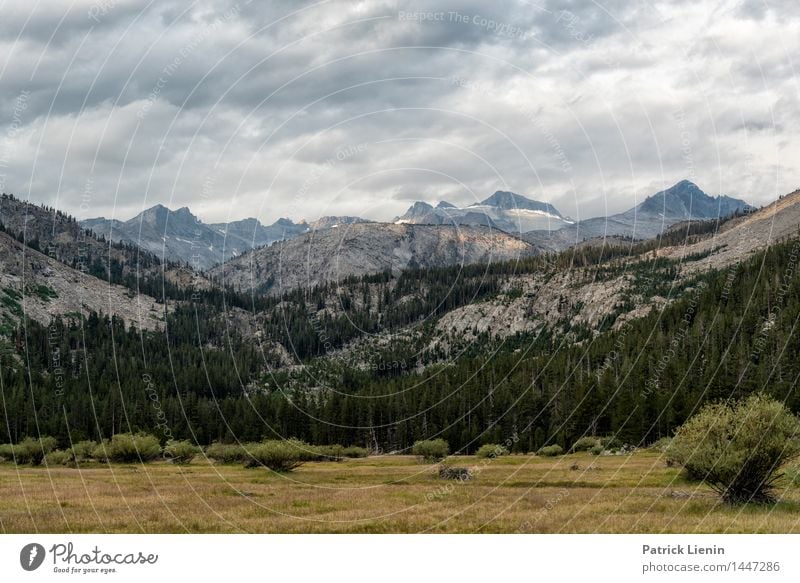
x=608 y=494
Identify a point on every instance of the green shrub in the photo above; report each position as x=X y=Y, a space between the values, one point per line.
x=337 y=452
x=738 y=449
x=84 y=450
x=303 y=450
x=279 y=455
x=585 y=444
x=129 y=448
x=550 y=451
x=793 y=475
x=6 y=452
x=32 y=450
x=45 y=293
x=662 y=445
x=181 y=452
x=354 y=451
x=329 y=453
x=101 y=451
x=431 y=449
x=597 y=449
x=59 y=457
x=610 y=442
x=491 y=450
x=226 y=453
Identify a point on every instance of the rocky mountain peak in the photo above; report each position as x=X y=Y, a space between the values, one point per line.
x=686 y=200
x=510 y=201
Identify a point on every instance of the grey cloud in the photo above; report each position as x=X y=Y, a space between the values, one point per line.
x=587 y=104
x=759 y=9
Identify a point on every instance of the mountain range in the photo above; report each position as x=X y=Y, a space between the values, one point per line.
x=46 y=253
x=329 y=255
x=682 y=202
x=356 y=324
x=507 y=211
x=181 y=237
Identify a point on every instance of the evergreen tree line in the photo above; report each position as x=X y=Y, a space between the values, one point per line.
x=730 y=333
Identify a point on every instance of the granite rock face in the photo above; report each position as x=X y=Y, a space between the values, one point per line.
x=364 y=248
x=40 y=287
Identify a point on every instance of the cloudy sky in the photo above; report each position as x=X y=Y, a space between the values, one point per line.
x=300 y=109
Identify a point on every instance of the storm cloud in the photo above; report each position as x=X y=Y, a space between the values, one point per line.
x=302 y=109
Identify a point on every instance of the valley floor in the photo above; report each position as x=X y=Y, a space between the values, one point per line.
x=391 y=494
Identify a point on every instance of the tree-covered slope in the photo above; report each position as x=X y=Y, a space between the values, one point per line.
x=727 y=332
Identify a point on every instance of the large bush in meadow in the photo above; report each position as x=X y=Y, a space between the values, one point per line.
x=226 y=453
x=30 y=450
x=102 y=451
x=329 y=453
x=550 y=451
x=180 y=452
x=586 y=443
x=60 y=457
x=279 y=455
x=491 y=450
x=738 y=449
x=6 y=452
x=354 y=451
x=84 y=450
x=431 y=449
x=133 y=447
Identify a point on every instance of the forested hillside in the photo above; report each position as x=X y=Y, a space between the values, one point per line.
x=725 y=333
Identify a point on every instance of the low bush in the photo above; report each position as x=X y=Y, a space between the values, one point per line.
x=129 y=448
x=181 y=452
x=738 y=449
x=337 y=452
x=491 y=450
x=226 y=453
x=59 y=457
x=662 y=445
x=431 y=449
x=101 y=451
x=6 y=452
x=585 y=444
x=550 y=451
x=30 y=450
x=354 y=451
x=84 y=450
x=279 y=455
x=610 y=442
x=793 y=475
x=329 y=453
x=597 y=449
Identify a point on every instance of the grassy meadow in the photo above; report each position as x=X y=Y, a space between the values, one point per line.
x=578 y=493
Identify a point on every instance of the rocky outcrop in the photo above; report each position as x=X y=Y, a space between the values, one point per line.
x=739 y=238
x=361 y=249
x=529 y=302
x=40 y=287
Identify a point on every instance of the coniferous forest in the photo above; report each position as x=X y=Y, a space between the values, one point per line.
x=725 y=334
